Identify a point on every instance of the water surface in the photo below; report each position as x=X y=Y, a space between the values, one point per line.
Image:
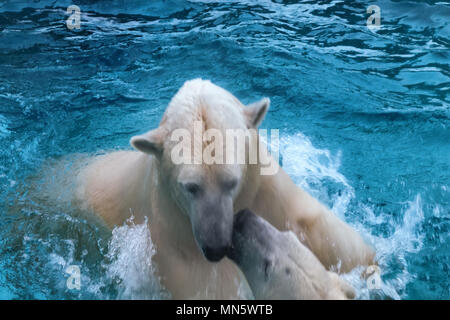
x=364 y=120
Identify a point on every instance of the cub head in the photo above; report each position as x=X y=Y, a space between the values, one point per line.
x=191 y=146
x=276 y=264
x=263 y=254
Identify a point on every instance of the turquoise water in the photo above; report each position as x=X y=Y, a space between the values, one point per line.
x=364 y=124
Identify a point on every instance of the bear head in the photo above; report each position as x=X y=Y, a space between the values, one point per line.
x=202 y=167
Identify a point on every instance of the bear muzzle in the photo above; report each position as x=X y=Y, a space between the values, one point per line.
x=215 y=254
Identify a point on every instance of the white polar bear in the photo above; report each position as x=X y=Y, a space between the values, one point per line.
x=190 y=206
x=278 y=266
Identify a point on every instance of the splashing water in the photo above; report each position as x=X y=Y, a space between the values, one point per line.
x=317 y=171
x=130 y=251
x=363 y=120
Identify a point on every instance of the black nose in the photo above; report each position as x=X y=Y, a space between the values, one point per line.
x=215 y=254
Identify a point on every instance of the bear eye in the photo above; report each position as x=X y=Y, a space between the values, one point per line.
x=231 y=184
x=192 y=188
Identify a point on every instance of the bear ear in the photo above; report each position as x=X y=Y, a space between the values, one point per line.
x=255 y=112
x=150 y=142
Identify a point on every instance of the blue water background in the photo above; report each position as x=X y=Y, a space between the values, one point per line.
x=364 y=124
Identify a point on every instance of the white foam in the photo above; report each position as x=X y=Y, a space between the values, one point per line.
x=130 y=251
x=314 y=170
x=310 y=168
x=60 y=260
x=406 y=239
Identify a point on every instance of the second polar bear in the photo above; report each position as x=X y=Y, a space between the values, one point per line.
x=277 y=266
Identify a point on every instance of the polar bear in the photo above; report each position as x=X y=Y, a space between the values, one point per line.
x=278 y=266
x=190 y=206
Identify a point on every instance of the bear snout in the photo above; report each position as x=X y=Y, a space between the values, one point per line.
x=215 y=254
x=243 y=219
